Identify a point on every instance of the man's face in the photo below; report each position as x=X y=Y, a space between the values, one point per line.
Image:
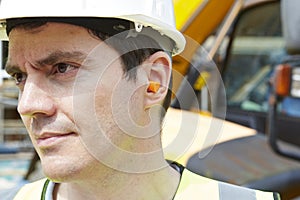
x=72 y=97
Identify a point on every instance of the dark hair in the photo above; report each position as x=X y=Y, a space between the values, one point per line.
x=131 y=59
x=141 y=46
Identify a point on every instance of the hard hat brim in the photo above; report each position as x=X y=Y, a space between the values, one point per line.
x=106 y=24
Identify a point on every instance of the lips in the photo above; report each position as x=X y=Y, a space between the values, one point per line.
x=50 y=139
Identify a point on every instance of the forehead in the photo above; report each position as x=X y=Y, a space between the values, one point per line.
x=38 y=42
x=50 y=31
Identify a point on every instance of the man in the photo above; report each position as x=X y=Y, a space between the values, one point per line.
x=93 y=94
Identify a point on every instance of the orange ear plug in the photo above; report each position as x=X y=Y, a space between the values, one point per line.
x=153 y=87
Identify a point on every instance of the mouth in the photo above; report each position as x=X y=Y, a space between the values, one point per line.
x=50 y=139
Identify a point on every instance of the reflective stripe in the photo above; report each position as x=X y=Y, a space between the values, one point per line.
x=194 y=187
x=227 y=191
x=267 y=196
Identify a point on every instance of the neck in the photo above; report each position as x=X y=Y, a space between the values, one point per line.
x=160 y=184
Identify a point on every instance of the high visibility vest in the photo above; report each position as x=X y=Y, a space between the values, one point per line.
x=194 y=187
x=191 y=187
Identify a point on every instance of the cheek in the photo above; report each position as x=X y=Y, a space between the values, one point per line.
x=126 y=106
x=135 y=107
x=103 y=108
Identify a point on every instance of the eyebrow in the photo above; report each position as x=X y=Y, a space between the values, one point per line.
x=51 y=59
x=58 y=56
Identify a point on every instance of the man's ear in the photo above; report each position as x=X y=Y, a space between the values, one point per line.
x=159 y=67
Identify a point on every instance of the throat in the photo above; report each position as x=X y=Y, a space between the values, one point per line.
x=160 y=185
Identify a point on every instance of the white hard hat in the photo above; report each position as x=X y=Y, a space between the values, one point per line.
x=158 y=14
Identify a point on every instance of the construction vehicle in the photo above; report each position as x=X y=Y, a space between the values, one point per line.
x=252 y=45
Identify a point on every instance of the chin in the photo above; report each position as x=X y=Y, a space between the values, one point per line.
x=62 y=170
x=58 y=174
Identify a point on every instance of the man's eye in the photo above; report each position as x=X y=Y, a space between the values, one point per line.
x=19 y=77
x=63 y=68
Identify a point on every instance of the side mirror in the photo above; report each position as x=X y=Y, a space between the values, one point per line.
x=285 y=82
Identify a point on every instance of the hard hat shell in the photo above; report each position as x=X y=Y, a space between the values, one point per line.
x=158 y=14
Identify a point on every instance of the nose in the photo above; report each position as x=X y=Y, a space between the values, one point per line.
x=34 y=99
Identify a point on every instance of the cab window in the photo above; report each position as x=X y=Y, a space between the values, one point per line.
x=257 y=46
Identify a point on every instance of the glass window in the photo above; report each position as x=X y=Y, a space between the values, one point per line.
x=257 y=47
